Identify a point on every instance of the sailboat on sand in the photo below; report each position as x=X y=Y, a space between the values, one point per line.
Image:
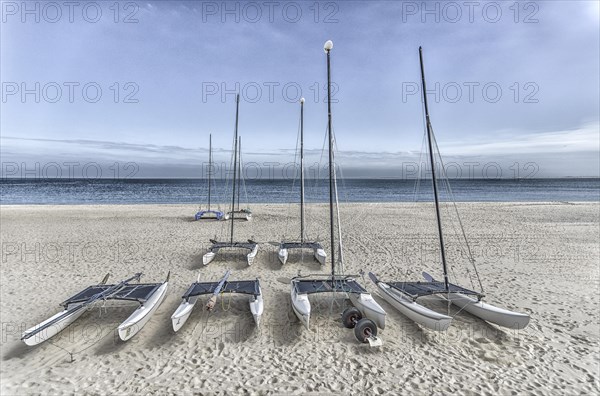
x=366 y=315
x=208 y=213
x=403 y=295
x=284 y=246
x=216 y=289
x=149 y=296
x=250 y=245
x=239 y=213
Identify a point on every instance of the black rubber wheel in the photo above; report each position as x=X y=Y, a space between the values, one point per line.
x=364 y=329
x=350 y=317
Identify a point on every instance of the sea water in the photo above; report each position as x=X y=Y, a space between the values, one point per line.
x=165 y=191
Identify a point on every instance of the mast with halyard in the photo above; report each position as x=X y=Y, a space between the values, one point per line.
x=231 y=244
x=284 y=246
x=403 y=295
x=240 y=214
x=208 y=213
x=366 y=314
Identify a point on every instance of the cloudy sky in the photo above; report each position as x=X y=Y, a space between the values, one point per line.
x=511 y=84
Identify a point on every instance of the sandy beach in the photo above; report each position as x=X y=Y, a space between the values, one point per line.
x=537 y=258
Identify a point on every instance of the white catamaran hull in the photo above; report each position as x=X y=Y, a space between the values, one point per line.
x=183 y=312
x=257 y=307
x=369 y=308
x=500 y=316
x=52 y=330
x=283 y=255
x=319 y=254
x=301 y=307
x=207 y=258
x=252 y=255
x=415 y=312
x=136 y=321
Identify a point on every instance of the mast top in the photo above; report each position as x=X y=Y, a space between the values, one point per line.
x=301 y=100
x=328 y=45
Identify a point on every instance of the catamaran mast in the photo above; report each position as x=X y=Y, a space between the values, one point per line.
x=328 y=46
x=301 y=170
x=209 y=166
x=239 y=186
x=235 y=151
x=433 y=178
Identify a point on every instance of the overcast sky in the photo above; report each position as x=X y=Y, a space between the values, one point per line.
x=512 y=84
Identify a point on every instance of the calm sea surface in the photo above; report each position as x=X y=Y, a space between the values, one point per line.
x=148 y=191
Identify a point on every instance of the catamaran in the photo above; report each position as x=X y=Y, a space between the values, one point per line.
x=366 y=314
x=208 y=213
x=240 y=213
x=318 y=251
x=403 y=295
x=197 y=289
x=148 y=295
x=216 y=246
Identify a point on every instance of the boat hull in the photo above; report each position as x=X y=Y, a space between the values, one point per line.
x=136 y=321
x=489 y=313
x=247 y=216
x=301 y=307
x=250 y=257
x=414 y=311
x=319 y=254
x=282 y=255
x=369 y=308
x=210 y=256
x=183 y=312
x=257 y=307
x=52 y=330
x=207 y=258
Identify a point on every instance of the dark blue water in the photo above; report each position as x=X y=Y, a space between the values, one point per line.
x=144 y=191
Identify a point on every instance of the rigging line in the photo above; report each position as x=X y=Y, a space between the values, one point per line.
x=214 y=183
x=339 y=223
x=417 y=189
x=228 y=187
x=243 y=180
x=471 y=258
x=421 y=167
x=417 y=186
x=450 y=193
x=287 y=221
x=337 y=205
x=317 y=178
x=208 y=173
x=215 y=192
x=322 y=153
x=219 y=197
x=446 y=186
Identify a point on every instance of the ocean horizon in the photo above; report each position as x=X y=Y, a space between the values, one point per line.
x=174 y=191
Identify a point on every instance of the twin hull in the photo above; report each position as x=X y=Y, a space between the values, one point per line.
x=130 y=327
x=439 y=322
x=319 y=254
x=210 y=256
x=183 y=312
x=363 y=301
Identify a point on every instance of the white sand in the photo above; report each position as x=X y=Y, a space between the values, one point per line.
x=536 y=258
